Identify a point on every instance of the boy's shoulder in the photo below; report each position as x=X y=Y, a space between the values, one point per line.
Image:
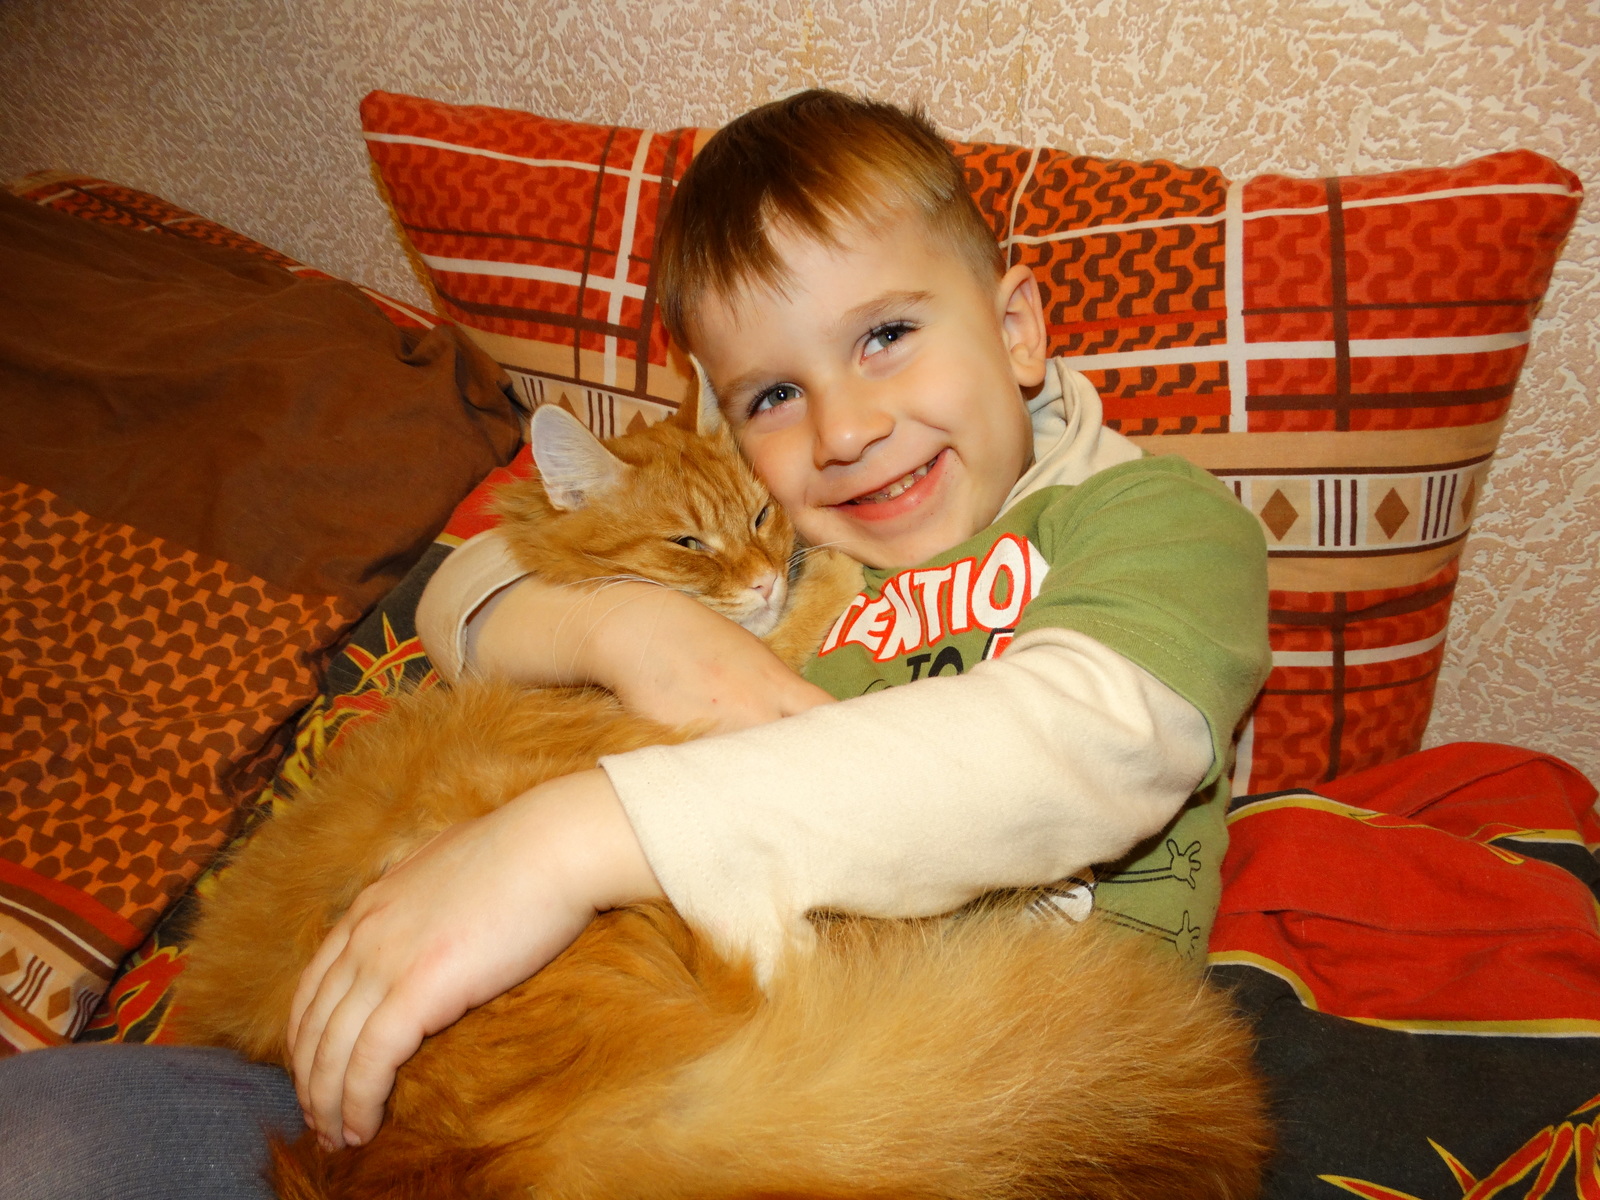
x=1147 y=494
x=1082 y=468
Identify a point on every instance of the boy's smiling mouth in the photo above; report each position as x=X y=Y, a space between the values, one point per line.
x=895 y=488
x=881 y=503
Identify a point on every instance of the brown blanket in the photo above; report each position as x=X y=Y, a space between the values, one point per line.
x=209 y=468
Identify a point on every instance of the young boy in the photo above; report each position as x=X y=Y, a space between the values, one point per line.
x=1082 y=627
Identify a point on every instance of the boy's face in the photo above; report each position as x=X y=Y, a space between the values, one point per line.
x=878 y=396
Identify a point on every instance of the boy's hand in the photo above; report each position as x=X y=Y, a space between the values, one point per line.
x=665 y=655
x=476 y=911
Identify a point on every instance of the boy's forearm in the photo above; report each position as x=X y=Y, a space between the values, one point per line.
x=663 y=653
x=598 y=853
x=481 y=613
x=550 y=635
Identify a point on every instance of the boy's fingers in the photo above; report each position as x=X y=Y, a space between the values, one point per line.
x=311 y=980
x=324 y=1099
x=387 y=1039
x=397 y=965
x=335 y=987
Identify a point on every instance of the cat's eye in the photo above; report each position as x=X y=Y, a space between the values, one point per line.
x=761 y=517
x=690 y=543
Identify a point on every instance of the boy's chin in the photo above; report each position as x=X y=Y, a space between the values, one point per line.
x=909 y=549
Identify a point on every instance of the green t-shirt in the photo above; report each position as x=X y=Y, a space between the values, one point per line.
x=1153 y=559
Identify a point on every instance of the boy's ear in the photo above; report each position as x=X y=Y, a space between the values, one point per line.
x=571 y=460
x=708 y=414
x=1022 y=325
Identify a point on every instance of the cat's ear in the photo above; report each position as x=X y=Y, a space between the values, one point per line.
x=708 y=414
x=571 y=460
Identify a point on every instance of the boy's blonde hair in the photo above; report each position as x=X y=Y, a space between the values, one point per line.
x=811 y=163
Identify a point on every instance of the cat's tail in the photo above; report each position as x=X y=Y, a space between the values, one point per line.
x=992 y=1057
x=301 y=1170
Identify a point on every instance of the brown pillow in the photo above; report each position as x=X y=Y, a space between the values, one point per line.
x=210 y=466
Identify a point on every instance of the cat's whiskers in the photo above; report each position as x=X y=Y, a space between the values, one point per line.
x=579 y=642
x=606 y=581
x=646 y=643
x=804 y=552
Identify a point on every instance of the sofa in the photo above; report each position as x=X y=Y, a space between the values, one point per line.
x=230 y=475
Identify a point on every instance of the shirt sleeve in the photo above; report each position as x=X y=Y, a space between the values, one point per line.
x=911 y=801
x=1157 y=560
x=463 y=587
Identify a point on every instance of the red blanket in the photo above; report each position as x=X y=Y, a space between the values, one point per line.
x=1420 y=948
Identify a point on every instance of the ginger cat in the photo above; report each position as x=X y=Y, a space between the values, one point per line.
x=984 y=1056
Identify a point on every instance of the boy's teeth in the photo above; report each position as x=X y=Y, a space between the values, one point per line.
x=895 y=488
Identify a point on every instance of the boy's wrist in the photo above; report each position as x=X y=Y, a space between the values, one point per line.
x=578 y=826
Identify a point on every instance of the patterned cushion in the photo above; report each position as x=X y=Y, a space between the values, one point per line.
x=197 y=500
x=1340 y=351
x=382 y=656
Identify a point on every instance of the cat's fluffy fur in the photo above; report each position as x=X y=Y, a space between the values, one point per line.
x=984 y=1056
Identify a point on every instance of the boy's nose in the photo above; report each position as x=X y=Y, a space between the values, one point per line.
x=844 y=423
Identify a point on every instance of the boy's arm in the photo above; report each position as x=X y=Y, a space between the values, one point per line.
x=664 y=654
x=475 y=911
x=1067 y=751
x=913 y=800
x=433 y=938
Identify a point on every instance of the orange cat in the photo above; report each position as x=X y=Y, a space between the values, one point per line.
x=985 y=1055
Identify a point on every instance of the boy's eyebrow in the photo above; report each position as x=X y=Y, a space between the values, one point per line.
x=880 y=306
x=742 y=383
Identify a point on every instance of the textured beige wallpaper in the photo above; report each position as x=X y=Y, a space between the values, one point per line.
x=246 y=110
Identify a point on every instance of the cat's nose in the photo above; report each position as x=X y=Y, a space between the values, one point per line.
x=763 y=586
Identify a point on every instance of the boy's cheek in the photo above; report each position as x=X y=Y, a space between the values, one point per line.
x=778 y=462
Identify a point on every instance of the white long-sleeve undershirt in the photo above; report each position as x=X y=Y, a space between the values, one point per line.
x=913 y=800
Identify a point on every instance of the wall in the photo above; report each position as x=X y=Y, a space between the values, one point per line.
x=245 y=110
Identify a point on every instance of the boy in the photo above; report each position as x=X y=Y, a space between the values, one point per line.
x=886 y=377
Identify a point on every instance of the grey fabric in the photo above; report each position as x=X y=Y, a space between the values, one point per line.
x=122 y=1122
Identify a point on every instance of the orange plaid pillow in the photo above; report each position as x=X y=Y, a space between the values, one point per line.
x=1340 y=351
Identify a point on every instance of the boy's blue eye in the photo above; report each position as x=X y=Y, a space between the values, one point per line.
x=886 y=335
x=774 y=396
